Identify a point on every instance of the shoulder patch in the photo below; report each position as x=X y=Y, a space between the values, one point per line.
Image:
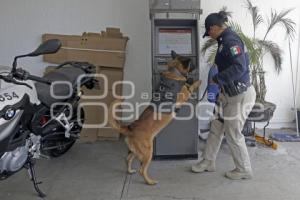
x=235 y=50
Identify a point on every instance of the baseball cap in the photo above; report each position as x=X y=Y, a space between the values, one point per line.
x=214 y=19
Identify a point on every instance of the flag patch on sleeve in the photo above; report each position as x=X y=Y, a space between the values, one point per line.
x=235 y=50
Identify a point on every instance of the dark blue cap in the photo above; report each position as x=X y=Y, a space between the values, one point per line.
x=212 y=19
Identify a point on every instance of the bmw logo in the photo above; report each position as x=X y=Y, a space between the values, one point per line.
x=9 y=114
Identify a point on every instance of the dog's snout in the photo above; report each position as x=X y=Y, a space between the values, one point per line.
x=190 y=81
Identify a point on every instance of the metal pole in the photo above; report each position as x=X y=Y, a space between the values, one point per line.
x=294 y=89
x=297 y=74
x=298 y=60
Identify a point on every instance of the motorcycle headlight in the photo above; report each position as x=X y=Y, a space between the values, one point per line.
x=9 y=113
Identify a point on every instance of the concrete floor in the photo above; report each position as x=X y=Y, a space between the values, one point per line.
x=97 y=171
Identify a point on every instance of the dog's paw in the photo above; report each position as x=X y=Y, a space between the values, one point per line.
x=131 y=171
x=152 y=182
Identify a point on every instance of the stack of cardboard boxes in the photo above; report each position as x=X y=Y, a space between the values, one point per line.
x=106 y=50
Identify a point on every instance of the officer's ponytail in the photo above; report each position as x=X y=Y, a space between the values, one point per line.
x=223 y=16
x=218 y=19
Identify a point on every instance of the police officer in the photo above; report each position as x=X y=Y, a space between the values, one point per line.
x=236 y=99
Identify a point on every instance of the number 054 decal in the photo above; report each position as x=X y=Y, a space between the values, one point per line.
x=8 y=96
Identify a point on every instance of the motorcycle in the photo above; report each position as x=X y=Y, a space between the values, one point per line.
x=40 y=117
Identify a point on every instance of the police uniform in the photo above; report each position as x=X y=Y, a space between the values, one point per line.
x=233 y=63
x=234 y=104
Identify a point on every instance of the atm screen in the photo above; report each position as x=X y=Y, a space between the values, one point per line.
x=177 y=39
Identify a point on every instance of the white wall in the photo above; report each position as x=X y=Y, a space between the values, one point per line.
x=23 y=22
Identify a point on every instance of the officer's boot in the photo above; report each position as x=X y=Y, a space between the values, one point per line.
x=204 y=166
x=237 y=174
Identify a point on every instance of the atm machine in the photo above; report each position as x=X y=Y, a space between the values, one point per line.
x=175 y=27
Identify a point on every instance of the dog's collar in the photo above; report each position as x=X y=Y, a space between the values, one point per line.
x=188 y=86
x=186 y=76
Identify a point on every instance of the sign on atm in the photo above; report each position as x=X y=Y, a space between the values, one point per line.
x=179 y=40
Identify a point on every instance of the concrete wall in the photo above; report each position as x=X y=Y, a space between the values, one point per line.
x=23 y=22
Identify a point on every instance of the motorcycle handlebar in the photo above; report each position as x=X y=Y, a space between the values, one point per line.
x=38 y=79
x=24 y=75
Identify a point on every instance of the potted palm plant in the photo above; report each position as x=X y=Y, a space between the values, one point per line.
x=257 y=49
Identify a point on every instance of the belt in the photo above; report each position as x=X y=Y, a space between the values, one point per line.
x=233 y=89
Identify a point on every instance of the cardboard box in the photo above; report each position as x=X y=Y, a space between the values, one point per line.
x=97 y=96
x=97 y=115
x=93 y=112
x=91 y=42
x=88 y=135
x=94 y=134
x=113 y=32
x=108 y=134
x=90 y=103
x=49 y=69
x=100 y=50
x=89 y=34
x=113 y=75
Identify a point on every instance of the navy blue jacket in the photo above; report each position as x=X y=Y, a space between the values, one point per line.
x=231 y=59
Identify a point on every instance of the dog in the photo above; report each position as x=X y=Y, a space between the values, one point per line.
x=140 y=134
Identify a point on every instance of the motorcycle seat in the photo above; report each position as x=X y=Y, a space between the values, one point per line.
x=63 y=90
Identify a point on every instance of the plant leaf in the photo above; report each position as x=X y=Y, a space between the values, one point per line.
x=256 y=17
x=224 y=9
x=275 y=51
x=207 y=45
x=280 y=18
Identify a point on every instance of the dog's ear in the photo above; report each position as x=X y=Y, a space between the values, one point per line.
x=185 y=61
x=173 y=54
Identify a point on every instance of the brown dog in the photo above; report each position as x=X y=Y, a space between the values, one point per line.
x=140 y=134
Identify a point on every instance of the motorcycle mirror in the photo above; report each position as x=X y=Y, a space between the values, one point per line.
x=47 y=47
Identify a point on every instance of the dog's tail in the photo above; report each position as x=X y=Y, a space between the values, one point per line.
x=124 y=130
